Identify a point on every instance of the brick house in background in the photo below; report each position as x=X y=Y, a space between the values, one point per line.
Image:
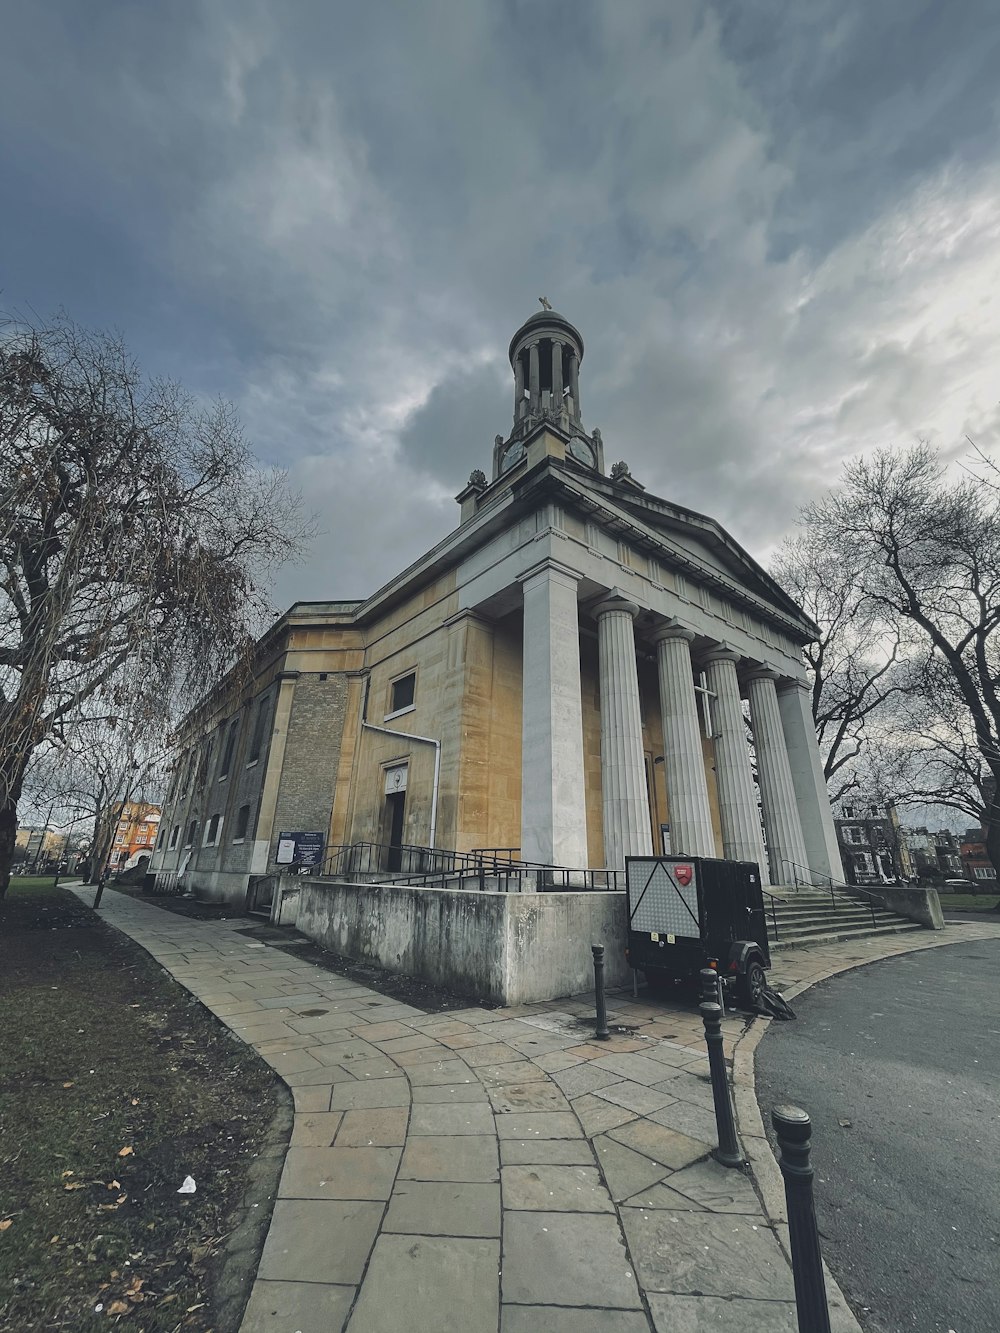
x=871 y=848
x=976 y=864
x=136 y=825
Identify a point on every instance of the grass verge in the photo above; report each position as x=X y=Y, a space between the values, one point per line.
x=115 y=1084
x=968 y=902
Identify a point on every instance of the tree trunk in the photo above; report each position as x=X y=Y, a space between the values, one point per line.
x=8 y=838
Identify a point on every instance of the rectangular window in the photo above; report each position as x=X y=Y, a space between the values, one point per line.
x=227 y=754
x=159 y=840
x=175 y=832
x=212 y=830
x=257 y=739
x=984 y=872
x=242 y=823
x=192 y=833
x=402 y=693
x=854 y=835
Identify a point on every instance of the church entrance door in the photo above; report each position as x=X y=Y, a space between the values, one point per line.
x=392 y=824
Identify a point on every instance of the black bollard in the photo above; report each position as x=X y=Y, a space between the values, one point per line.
x=728 y=1152
x=709 y=985
x=793 y=1129
x=100 y=892
x=601 y=1032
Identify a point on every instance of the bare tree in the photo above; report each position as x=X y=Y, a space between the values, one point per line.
x=927 y=555
x=855 y=662
x=134 y=528
x=100 y=765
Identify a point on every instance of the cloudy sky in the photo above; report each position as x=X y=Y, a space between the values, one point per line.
x=777 y=227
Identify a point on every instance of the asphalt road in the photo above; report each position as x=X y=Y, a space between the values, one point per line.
x=898 y=1064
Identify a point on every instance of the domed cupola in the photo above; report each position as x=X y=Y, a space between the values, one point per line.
x=545 y=355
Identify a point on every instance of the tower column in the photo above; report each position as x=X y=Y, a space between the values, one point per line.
x=691 y=831
x=623 y=767
x=574 y=382
x=785 y=845
x=518 y=388
x=557 y=377
x=741 y=831
x=534 y=380
x=553 y=795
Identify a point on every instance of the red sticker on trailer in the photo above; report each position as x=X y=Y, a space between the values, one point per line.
x=683 y=875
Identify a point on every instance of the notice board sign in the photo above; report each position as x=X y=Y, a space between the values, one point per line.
x=300 y=849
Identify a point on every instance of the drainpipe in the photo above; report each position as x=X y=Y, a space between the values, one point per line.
x=409 y=736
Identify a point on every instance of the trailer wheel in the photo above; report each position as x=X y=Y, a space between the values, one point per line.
x=752 y=983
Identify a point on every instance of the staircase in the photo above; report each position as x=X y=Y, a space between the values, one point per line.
x=808 y=916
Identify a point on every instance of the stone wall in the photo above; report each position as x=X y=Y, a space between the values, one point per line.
x=505 y=948
x=312 y=756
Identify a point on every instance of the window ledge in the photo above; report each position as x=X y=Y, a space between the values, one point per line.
x=252 y=763
x=400 y=712
x=238 y=841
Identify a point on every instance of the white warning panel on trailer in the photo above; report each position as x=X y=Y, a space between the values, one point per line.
x=663 y=897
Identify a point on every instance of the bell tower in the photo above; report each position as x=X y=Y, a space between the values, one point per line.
x=545 y=355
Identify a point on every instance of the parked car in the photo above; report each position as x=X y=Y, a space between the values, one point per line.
x=958 y=886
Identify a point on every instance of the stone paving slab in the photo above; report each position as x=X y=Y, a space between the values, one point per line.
x=444 y=1208
x=338 y=1173
x=710 y=1314
x=428 y=1284
x=470 y=1157
x=566 y=1259
x=549 y=1319
x=320 y=1240
x=405 y=1120
x=296 y=1307
x=570 y=1189
x=670 y=1255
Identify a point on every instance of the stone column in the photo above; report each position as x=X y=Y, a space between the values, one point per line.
x=553 y=795
x=785 y=846
x=534 y=380
x=691 y=831
x=741 y=831
x=574 y=382
x=518 y=387
x=806 y=767
x=557 y=376
x=623 y=766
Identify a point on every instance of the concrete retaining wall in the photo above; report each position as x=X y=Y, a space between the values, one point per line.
x=921 y=905
x=503 y=947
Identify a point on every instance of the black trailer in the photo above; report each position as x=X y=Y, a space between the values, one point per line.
x=686 y=913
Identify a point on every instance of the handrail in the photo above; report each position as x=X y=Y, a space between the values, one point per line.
x=774 y=919
x=832 y=884
x=434 y=867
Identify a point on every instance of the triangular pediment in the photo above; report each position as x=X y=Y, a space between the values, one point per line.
x=676 y=535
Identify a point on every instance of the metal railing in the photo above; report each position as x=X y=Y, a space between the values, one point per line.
x=494 y=868
x=771 y=901
x=835 y=886
x=167 y=883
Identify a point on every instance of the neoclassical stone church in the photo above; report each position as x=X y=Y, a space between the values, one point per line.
x=578 y=672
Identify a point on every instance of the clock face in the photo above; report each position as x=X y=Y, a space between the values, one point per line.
x=581 y=450
x=513 y=455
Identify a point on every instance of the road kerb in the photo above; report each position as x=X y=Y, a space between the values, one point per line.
x=750 y=1123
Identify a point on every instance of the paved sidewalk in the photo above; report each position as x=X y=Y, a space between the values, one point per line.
x=463 y=1171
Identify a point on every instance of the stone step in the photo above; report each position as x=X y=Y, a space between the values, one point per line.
x=832 y=924
x=833 y=913
x=831 y=920
x=839 y=936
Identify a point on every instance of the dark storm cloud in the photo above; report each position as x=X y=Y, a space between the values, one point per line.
x=776 y=229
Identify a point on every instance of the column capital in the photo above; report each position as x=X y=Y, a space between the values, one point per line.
x=763 y=673
x=786 y=684
x=548 y=566
x=672 y=629
x=723 y=652
x=614 y=603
